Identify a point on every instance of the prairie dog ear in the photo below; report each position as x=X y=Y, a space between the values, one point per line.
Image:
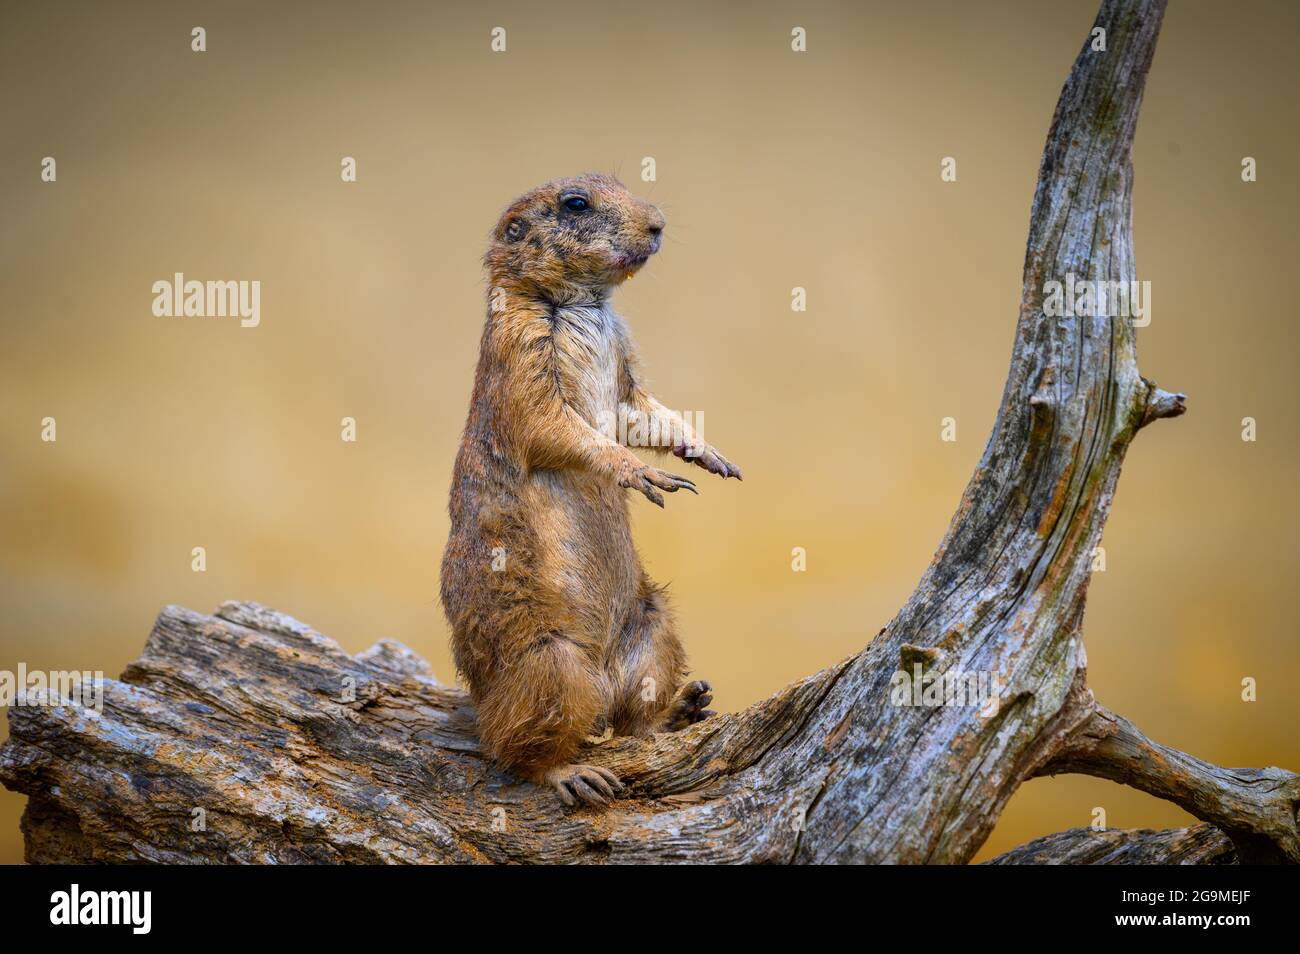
x=515 y=230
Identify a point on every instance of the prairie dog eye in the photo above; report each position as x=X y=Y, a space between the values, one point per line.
x=514 y=229
x=575 y=203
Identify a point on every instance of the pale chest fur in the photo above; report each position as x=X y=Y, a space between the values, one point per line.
x=579 y=517
x=589 y=342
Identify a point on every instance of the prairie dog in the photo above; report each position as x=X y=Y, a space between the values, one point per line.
x=555 y=626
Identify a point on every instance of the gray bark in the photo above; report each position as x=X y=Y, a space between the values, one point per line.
x=1197 y=845
x=245 y=716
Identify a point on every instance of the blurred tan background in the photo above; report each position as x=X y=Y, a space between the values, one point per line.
x=775 y=170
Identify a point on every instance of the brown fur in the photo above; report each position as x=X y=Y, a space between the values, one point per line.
x=559 y=639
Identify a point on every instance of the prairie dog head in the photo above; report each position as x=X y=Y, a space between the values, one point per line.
x=573 y=239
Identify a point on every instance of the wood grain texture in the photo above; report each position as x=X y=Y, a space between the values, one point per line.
x=242 y=714
x=1197 y=845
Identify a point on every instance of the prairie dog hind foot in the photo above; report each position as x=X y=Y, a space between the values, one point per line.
x=690 y=706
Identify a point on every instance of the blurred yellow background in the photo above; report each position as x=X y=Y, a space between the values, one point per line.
x=775 y=170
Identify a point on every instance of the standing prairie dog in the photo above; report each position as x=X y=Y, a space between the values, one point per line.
x=555 y=625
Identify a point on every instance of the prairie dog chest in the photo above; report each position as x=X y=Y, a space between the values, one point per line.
x=589 y=348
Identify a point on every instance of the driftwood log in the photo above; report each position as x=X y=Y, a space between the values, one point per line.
x=247 y=736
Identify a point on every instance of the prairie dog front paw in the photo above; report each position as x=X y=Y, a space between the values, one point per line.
x=645 y=478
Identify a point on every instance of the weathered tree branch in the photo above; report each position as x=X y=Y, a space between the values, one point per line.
x=1255 y=807
x=287 y=749
x=1198 y=845
x=1161 y=403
